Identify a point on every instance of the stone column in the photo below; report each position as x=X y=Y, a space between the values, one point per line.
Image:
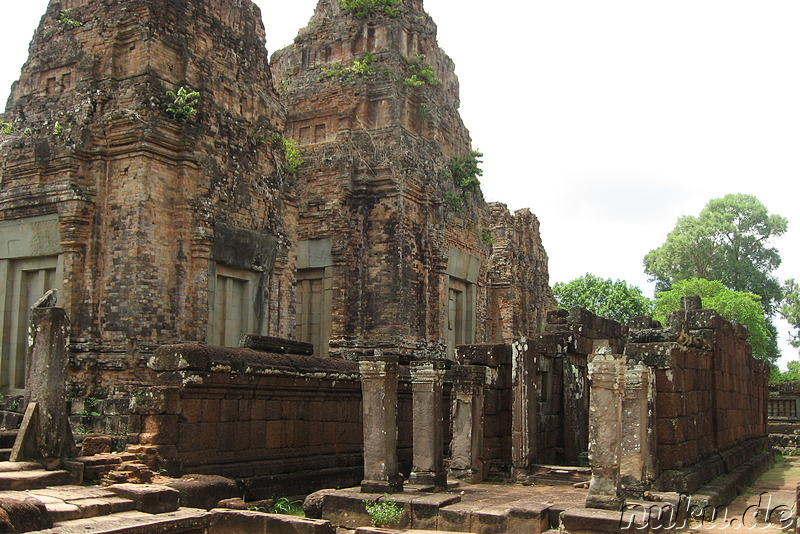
x=45 y=432
x=525 y=408
x=607 y=379
x=379 y=408
x=466 y=447
x=638 y=442
x=428 y=400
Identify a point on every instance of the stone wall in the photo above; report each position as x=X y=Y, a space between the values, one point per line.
x=783 y=414
x=710 y=395
x=284 y=424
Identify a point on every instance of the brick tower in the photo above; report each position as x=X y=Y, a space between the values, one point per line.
x=393 y=253
x=154 y=229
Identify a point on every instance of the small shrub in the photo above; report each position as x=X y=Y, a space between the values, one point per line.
x=385 y=512
x=58 y=129
x=421 y=74
x=464 y=171
x=487 y=237
x=364 y=8
x=291 y=154
x=183 y=104
x=5 y=128
x=358 y=68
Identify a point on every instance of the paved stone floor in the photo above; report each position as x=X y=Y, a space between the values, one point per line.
x=775 y=491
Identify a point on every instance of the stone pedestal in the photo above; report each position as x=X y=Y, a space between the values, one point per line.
x=637 y=466
x=525 y=408
x=45 y=432
x=428 y=400
x=467 y=443
x=379 y=406
x=607 y=381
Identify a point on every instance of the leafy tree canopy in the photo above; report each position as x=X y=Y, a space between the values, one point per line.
x=791 y=310
x=788 y=376
x=729 y=241
x=613 y=299
x=739 y=306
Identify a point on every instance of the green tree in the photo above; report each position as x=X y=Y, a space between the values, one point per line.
x=613 y=299
x=791 y=310
x=729 y=241
x=744 y=308
x=791 y=375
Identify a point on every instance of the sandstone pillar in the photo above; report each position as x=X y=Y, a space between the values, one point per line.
x=607 y=379
x=428 y=401
x=525 y=408
x=638 y=441
x=467 y=444
x=45 y=433
x=379 y=408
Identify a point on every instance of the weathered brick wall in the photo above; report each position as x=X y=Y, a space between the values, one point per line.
x=783 y=414
x=710 y=395
x=283 y=424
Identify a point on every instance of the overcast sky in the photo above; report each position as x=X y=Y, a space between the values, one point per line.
x=608 y=119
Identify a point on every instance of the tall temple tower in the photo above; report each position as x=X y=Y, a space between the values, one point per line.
x=154 y=228
x=397 y=249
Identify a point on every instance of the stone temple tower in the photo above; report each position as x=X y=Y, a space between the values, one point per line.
x=396 y=251
x=154 y=229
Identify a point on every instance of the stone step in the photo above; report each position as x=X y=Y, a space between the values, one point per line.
x=65 y=503
x=5 y=454
x=7 y=438
x=32 y=479
x=183 y=520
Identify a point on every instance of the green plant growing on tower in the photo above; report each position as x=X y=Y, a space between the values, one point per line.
x=361 y=67
x=66 y=19
x=183 y=104
x=291 y=154
x=5 y=128
x=58 y=129
x=464 y=171
x=421 y=73
x=364 y=8
x=487 y=237
x=385 y=512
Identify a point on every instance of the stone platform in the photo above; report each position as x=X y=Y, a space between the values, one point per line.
x=482 y=509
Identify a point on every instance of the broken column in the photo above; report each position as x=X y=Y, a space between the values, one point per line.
x=525 y=408
x=638 y=442
x=379 y=408
x=467 y=443
x=607 y=381
x=428 y=401
x=45 y=433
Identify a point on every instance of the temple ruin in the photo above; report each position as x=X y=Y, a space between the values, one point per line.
x=364 y=319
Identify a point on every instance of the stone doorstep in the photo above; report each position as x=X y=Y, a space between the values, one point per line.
x=587 y=520
x=375 y=530
x=345 y=508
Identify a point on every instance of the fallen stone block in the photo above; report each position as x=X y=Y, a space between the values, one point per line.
x=203 y=491
x=95 y=444
x=148 y=497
